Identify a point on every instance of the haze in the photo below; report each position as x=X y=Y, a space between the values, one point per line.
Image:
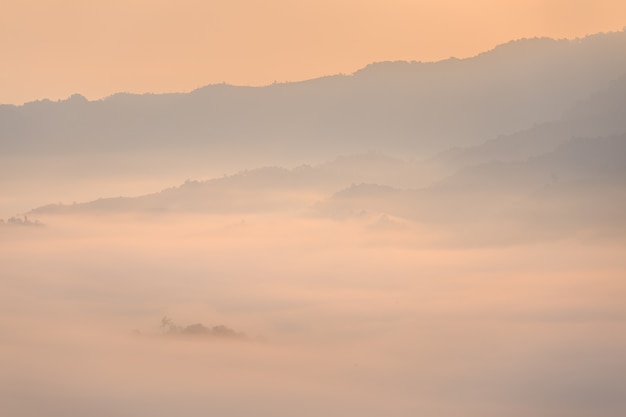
x=406 y=238
x=341 y=318
x=96 y=48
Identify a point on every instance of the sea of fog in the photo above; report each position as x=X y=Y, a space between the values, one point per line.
x=353 y=317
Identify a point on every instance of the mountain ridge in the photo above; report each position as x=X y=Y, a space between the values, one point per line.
x=343 y=113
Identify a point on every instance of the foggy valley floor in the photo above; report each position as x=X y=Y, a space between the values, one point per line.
x=341 y=317
x=440 y=239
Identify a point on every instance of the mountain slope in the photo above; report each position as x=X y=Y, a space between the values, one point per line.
x=397 y=107
x=262 y=189
x=579 y=185
x=601 y=114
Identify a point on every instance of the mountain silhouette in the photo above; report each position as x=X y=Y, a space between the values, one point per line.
x=393 y=106
x=601 y=114
x=519 y=100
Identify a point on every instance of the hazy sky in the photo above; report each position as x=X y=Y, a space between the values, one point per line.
x=55 y=48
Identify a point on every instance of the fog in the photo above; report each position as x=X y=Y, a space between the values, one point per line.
x=415 y=239
x=75 y=149
x=340 y=318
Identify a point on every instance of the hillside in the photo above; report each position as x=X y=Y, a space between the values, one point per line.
x=395 y=107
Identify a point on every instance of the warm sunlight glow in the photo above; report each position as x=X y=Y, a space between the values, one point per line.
x=285 y=208
x=96 y=48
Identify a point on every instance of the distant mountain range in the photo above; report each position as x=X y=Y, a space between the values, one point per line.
x=530 y=128
x=257 y=190
x=579 y=185
x=601 y=114
x=397 y=107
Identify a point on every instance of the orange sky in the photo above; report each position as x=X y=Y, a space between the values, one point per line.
x=55 y=48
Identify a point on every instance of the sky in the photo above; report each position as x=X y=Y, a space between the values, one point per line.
x=52 y=49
